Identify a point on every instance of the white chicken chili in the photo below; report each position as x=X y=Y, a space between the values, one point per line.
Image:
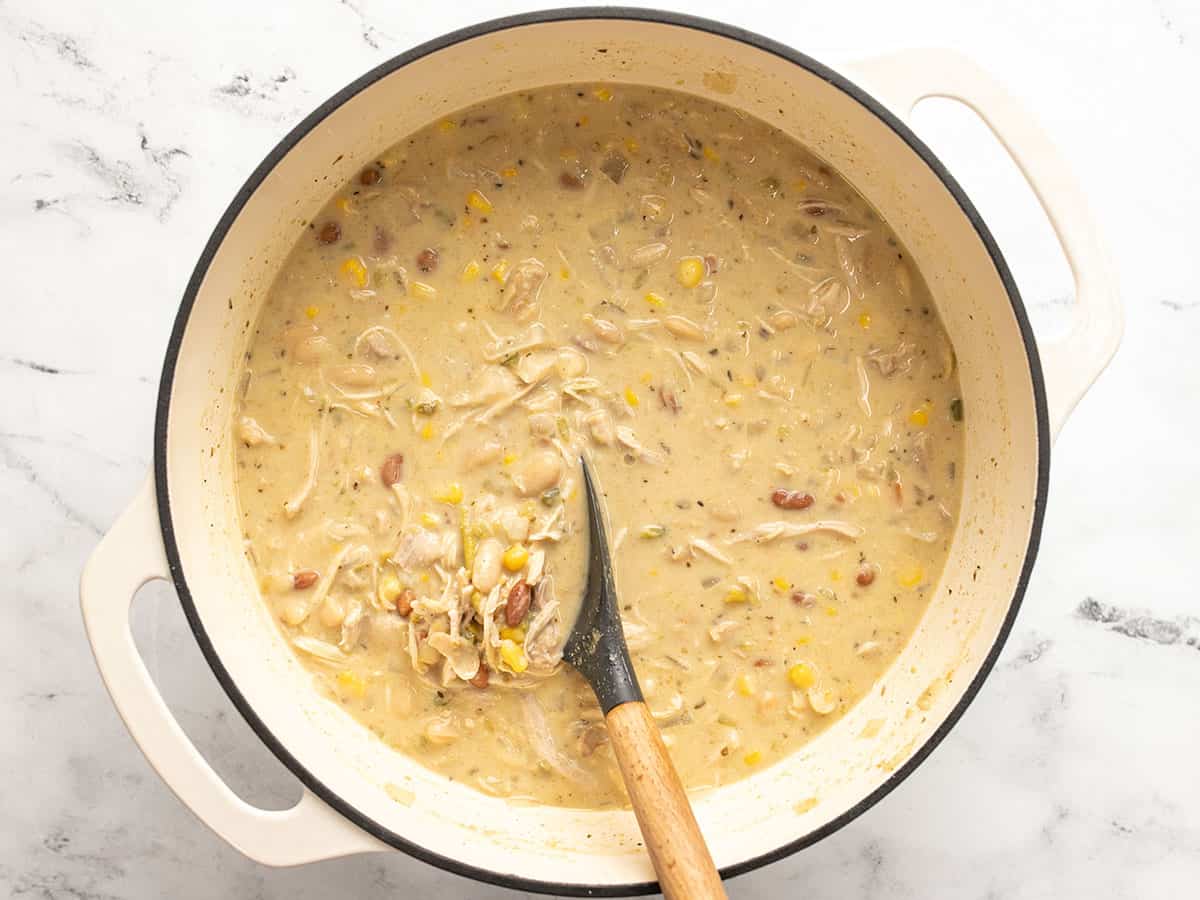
x=690 y=297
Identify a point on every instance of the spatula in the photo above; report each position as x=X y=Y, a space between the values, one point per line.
x=596 y=647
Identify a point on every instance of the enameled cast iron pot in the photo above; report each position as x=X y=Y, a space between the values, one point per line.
x=183 y=525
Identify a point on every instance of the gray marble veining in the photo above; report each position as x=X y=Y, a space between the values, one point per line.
x=127 y=128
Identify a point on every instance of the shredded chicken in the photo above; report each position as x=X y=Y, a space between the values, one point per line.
x=770 y=531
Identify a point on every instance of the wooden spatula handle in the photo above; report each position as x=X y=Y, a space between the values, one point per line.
x=677 y=849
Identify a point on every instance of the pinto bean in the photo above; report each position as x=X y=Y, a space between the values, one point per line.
x=330 y=233
x=866 y=575
x=404 y=601
x=392 y=469
x=517 y=606
x=383 y=239
x=481 y=677
x=427 y=260
x=304 y=579
x=369 y=176
x=785 y=499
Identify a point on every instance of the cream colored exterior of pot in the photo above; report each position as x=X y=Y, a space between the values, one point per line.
x=572 y=847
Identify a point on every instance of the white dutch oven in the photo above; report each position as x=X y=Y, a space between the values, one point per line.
x=183 y=526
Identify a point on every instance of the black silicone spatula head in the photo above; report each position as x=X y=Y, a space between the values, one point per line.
x=596 y=646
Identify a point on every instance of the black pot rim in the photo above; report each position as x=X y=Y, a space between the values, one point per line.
x=308 y=124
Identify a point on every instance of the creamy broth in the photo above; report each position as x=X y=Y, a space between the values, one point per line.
x=672 y=287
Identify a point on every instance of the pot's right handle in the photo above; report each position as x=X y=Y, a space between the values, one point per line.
x=129 y=556
x=1072 y=363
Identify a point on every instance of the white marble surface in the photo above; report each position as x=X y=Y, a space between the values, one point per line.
x=126 y=127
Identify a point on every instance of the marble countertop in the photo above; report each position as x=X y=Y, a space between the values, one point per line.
x=128 y=125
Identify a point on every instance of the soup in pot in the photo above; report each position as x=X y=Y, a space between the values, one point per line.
x=677 y=290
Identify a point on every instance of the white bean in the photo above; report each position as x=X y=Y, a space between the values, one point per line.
x=600 y=424
x=571 y=363
x=482 y=454
x=332 y=613
x=683 y=327
x=783 y=319
x=648 y=255
x=541 y=424
x=607 y=331
x=311 y=349
x=822 y=701
x=541 y=470
x=485 y=572
x=352 y=375
x=515 y=525
x=295 y=611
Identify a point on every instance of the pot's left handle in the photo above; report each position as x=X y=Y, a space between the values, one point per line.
x=1070 y=364
x=129 y=556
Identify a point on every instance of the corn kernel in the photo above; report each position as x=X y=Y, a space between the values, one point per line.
x=478 y=202
x=343 y=203
x=602 y=94
x=447 y=125
x=389 y=588
x=426 y=380
x=419 y=290
x=919 y=417
x=352 y=683
x=429 y=520
x=509 y=172
x=691 y=271
x=710 y=154
x=646 y=377
x=477 y=601
x=655 y=299
x=781 y=584
x=427 y=431
x=513 y=656
x=744 y=685
x=470 y=272
x=802 y=676
x=911 y=576
x=564 y=273
x=452 y=494
x=736 y=595
x=835 y=574
x=356 y=270
x=631 y=145
x=500 y=271
x=312 y=311
x=753 y=758
x=583 y=121
x=747 y=381
x=516 y=634
x=630 y=397
x=509 y=458
x=804 y=640
x=732 y=399
x=864 y=320
x=515 y=557
x=831 y=611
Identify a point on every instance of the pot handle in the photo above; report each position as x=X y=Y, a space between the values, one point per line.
x=129 y=556
x=1071 y=364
